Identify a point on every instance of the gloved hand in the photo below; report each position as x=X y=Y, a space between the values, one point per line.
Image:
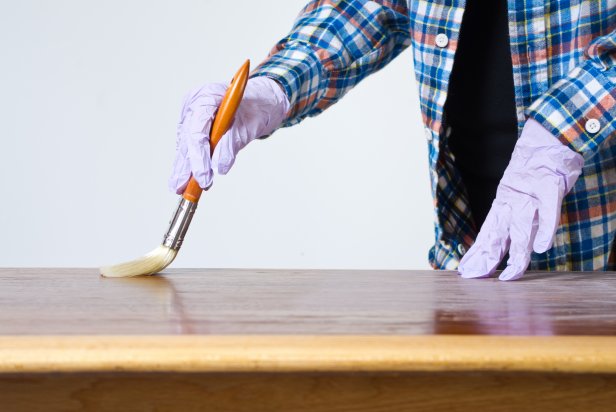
x=262 y=110
x=526 y=212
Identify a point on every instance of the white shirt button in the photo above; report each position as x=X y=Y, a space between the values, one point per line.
x=593 y=126
x=428 y=133
x=442 y=40
x=461 y=249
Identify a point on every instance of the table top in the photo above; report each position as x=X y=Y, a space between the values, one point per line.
x=304 y=302
x=211 y=319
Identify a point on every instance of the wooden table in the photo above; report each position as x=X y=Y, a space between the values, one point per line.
x=267 y=340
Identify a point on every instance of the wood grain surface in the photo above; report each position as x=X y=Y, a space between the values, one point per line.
x=291 y=302
x=388 y=392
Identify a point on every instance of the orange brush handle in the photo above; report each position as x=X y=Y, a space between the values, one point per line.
x=222 y=122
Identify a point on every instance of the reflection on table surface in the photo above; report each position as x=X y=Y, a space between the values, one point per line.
x=319 y=302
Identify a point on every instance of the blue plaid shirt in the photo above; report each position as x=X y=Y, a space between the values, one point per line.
x=564 y=68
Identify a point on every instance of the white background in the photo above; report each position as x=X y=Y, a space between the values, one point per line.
x=90 y=93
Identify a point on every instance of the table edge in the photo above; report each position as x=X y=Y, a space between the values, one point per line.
x=283 y=353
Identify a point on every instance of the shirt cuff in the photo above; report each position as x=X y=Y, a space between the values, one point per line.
x=579 y=109
x=300 y=72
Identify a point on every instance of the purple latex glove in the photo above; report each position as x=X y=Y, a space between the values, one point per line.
x=526 y=212
x=261 y=111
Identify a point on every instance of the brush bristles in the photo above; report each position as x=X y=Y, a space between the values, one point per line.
x=152 y=263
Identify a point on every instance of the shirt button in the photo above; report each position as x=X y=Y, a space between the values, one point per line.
x=442 y=40
x=461 y=249
x=428 y=134
x=593 y=126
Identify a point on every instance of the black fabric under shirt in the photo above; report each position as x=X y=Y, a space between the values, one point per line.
x=480 y=107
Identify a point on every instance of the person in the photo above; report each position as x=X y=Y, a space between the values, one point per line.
x=518 y=104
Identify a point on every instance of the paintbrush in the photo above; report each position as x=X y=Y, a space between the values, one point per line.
x=162 y=256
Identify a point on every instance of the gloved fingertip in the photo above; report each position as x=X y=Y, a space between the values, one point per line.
x=177 y=184
x=206 y=183
x=224 y=154
x=204 y=178
x=225 y=166
x=470 y=272
x=475 y=265
x=171 y=186
x=178 y=190
x=511 y=273
x=541 y=245
x=474 y=274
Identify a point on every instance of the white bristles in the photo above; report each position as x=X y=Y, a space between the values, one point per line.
x=152 y=263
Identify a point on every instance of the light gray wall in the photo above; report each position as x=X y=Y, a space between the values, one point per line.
x=90 y=96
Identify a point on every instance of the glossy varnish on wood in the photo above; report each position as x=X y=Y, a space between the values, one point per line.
x=292 y=302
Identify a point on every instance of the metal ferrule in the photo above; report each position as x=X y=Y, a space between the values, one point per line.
x=178 y=226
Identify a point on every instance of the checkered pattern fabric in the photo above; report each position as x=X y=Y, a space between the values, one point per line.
x=564 y=67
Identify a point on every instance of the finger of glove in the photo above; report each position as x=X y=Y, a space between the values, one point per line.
x=196 y=136
x=549 y=205
x=229 y=146
x=210 y=94
x=522 y=233
x=180 y=174
x=184 y=115
x=223 y=157
x=491 y=245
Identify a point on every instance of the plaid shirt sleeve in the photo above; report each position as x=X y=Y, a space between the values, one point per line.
x=587 y=92
x=333 y=46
